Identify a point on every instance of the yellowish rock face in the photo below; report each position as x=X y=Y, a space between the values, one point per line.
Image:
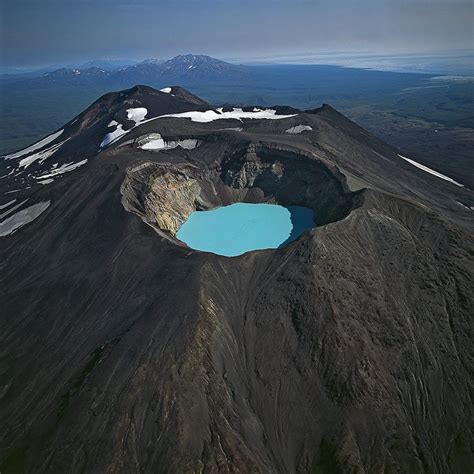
x=172 y=200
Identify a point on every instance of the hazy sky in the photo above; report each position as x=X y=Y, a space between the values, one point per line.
x=41 y=32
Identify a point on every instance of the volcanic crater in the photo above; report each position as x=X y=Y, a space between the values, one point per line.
x=165 y=194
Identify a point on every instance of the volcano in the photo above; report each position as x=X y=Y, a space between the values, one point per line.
x=123 y=350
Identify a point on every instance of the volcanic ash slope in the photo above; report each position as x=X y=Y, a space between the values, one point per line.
x=125 y=351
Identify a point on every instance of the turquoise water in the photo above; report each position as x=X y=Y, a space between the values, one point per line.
x=238 y=228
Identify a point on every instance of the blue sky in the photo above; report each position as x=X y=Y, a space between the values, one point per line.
x=41 y=32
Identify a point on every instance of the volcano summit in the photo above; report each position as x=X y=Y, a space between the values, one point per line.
x=124 y=350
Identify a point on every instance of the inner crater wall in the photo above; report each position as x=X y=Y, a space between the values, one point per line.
x=164 y=195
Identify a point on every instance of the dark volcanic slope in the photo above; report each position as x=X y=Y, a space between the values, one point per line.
x=122 y=350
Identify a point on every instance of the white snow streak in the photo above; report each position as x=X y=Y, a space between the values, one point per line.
x=9 y=211
x=46 y=181
x=298 y=129
x=195 y=116
x=137 y=115
x=155 y=142
x=187 y=144
x=166 y=90
x=113 y=136
x=471 y=208
x=8 y=174
x=9 y=203
x=237 y=114
x=35 y=146
x=23 y=217
x=41 y=155
x=429 y=170
x=62 y=169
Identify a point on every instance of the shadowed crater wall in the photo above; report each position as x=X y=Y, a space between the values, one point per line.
x=164 y=195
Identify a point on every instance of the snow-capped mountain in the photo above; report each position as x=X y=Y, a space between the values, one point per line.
x=108 y=64
x=74 y=75
x=190 y=64
x=189 y=68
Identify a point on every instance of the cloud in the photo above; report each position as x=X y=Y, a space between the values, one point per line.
x=73 y=30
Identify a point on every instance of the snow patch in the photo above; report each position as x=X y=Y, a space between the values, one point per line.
x=469 y=208
x=113 y=136
x=195 y=116
x=137 y=114
x=298 y=129
x=187 y=144
x=8 y=174
x=236 y=114
x=14 y=208
x=166 y=90
x=429 y=170
x=36 y=146
x=155 y=142
x=9 y=203
x=46 y=181
x=62 y=169
x=23 y=217
x=41 y=155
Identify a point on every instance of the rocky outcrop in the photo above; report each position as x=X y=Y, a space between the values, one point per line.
x=164 y=196
x=171 y=200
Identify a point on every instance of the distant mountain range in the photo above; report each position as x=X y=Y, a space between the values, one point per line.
x=109 y=64
x=178 y=69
